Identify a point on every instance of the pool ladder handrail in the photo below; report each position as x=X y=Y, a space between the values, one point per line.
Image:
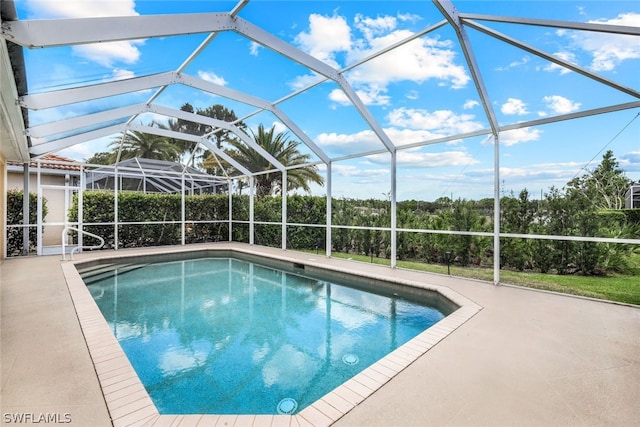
x=64 y=248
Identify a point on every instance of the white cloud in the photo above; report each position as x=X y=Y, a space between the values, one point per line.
x=441 y=122
x=608 y=50
x=525 y=59
x=120 y=74
x=417 y=159
x=419 y=60
x=361 y=141
x=107 y=54
x=512 y=174
x=212 y=77
x=368 y=95
x=85 y=150
x=561 y=105
x=407 y=126
x=305 y=80
x=565 y=56
x=279 y=127
x=357 y=171
x=326 y=36
x=432 y=160
x=413 y=95
x=541 y=171
x=530 y=176
x=329 y=38
x=517 y=136
x=338 y=96
x=402 y=137
x=469 y=104
x=409 y=17
x=514 y=106
x=254 y=48
x=413 y=158
x=630 y=161
x=373 y=27
x=148 y=119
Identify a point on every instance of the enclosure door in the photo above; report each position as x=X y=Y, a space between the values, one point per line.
x=59 y=199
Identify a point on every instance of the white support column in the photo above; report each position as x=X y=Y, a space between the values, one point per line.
x=229 y=182
x=25 y=210
x=183 y=213
x=283 y=192
x=39 y=214
x=328 y=240
x=67 y=194
x=393 y=237
x=81 y=199
x=496 y=209
x=251 y=196
x=115 y=208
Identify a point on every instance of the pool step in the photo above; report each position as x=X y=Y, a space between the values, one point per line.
x=96 y=269
x=93 y=274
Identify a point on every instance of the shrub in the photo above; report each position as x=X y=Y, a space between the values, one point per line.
x=633 y=215
x=15 y=217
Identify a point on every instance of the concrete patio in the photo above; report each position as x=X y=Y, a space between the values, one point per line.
x=527 y=358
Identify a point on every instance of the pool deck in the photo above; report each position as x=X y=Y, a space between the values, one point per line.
x=527 y=358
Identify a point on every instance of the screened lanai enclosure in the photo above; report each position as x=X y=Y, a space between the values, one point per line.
x=153 y=176
x=452 y=132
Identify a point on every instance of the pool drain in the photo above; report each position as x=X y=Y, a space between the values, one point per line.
x=287 y=406
x=350 y=359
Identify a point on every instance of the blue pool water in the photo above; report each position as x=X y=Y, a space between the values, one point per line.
x=228 y=336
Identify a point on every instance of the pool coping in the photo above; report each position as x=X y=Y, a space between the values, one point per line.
x=129 y=403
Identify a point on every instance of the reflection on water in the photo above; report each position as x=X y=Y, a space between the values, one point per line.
x=227 y=336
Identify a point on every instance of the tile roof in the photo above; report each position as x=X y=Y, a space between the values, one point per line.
x=59 y=160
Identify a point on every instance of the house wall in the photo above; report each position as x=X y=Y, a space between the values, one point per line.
x=632 y=198
x=55 y=201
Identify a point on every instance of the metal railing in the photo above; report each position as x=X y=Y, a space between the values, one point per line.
x=64 y=245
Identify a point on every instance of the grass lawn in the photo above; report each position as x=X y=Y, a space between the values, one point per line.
x=620 y=288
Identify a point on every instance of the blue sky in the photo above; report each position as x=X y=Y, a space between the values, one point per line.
x=418 y=92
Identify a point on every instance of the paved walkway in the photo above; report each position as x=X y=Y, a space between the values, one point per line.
x=527 y=358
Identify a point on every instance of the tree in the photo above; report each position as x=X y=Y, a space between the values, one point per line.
x=605 y=186
x=286 y=152
x=147 y=146
x=217 y=111
x=516 y=217
x=103 y=158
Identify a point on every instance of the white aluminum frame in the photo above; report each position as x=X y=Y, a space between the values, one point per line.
x=46 y=137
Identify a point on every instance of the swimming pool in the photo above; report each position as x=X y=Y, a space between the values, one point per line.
x=220 y=335
x=127 y=399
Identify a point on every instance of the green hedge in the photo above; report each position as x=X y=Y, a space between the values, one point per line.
x=558 y=217
x=15 y=217
x=633 y=215
x=98 y=207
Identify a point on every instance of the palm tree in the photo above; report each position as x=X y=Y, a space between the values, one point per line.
x=216 y=111
x=286 y=152
x=147 y=146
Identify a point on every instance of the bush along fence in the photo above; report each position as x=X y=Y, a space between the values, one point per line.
x=156 y=219
x=15 y=221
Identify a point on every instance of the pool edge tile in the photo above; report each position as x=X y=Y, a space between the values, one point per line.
x=107 y=356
